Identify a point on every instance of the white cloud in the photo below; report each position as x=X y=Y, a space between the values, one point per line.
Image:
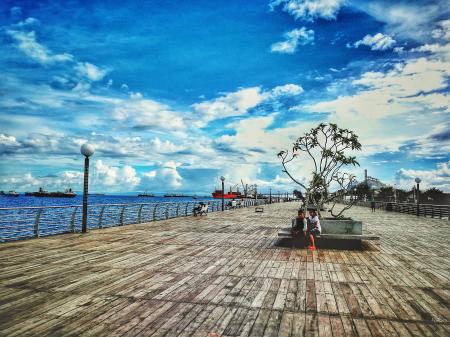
x=27 y=22
x=231 y=104
x=405 y=19
x=140 y=113
x=439 y=177
x=165 y=146
x=310 y=10
x=6 y=140
x=163 y=178
x=55 y=182
x=437 y=49
x=287 y=90
x=293 y=39
x=377 y=42
x=117 y=178
x=26 y=42
x=90 y=71
x=442 y=31
x=411 y=95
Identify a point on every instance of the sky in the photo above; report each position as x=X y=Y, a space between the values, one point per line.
x=175 y=94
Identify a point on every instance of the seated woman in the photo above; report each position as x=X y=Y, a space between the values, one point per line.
x=314 y=230
x=197 y=209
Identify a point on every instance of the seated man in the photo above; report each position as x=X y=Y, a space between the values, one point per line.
x=299 y=223
x=314 y=230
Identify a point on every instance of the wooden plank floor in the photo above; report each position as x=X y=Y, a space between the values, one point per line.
x=227 y=274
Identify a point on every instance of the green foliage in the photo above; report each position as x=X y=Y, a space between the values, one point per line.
x=362 y=191
x=434 y=196
x=330 y=148
x=298 y=194
x=385 y=194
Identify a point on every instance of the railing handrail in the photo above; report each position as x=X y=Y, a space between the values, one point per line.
x=96 y=205
x=408 y=203
x=37 y=221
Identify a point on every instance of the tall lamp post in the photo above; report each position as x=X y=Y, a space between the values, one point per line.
x=417 y=180
x=222 y=178
x=86 y=150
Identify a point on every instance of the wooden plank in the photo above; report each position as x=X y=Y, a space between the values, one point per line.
x=228 y=276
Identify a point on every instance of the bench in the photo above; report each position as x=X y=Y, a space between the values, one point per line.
x=259 y=209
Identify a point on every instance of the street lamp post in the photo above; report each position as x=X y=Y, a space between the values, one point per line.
x=86 y=150
x=222 y=178
x=417 y=180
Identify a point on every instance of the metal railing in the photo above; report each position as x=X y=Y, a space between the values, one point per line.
x=433 y=211
x=31 y=222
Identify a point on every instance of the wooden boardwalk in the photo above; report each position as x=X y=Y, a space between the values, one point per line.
x=227 y=275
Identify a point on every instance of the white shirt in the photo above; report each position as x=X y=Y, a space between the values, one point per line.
x=315 y=222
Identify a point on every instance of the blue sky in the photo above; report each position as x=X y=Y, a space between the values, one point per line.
x=174 y=94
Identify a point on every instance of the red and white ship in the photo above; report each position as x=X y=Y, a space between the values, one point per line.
x=217 y=194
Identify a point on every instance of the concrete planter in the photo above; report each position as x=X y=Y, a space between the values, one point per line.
x=341 y=226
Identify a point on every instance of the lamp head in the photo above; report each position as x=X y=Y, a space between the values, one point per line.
x=87 y=150
x=222 y=178
x=418 y=180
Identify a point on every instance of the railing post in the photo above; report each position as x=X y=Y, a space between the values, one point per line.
x=100 y=217
x=72 y=220
x=178 y=207
x=187 y=205
x=121 y=216
x=140 y=213
x=167 y=211
x=36 y=222
x=154 y=212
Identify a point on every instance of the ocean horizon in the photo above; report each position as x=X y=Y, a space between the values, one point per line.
x=94 y=199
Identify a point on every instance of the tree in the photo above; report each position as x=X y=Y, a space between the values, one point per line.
x=327 y=146
x=298 y=194
x=402 y=195
x=386 y=193
x=362 y=190
x=432 y=196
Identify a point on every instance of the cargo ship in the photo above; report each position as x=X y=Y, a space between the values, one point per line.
x=9 y=194
x=43 y=193
x=145 y=194
x=175 y=195
x=217 y=194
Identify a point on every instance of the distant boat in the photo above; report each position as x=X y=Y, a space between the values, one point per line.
x=174 y=195
x=69 y=193
x=145 y=194
x=12 y=194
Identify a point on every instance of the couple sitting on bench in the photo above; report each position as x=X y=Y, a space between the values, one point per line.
x=310 y=226
x=201 y=209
